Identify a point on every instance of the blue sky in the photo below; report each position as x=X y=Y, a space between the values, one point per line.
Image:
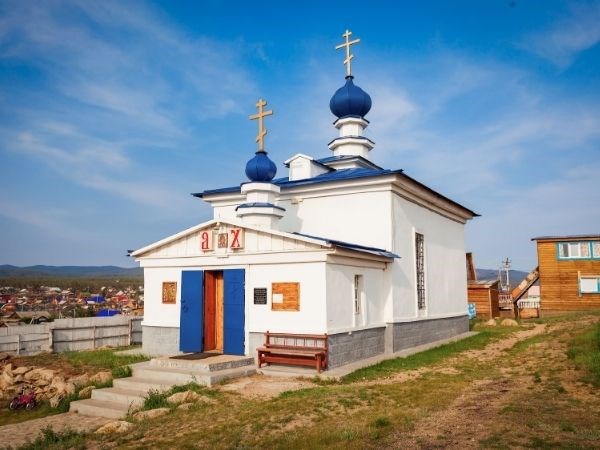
x=112 y=113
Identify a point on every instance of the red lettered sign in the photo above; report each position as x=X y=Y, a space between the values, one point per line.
x=236 y=238
x=206 y=241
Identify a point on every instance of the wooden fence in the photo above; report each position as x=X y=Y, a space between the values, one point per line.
x=83 y=333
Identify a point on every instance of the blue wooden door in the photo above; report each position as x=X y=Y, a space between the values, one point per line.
x=191 y=323
x=233 y=311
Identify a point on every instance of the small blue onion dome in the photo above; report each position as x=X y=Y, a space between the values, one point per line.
x=350 y=100
x=261 y=168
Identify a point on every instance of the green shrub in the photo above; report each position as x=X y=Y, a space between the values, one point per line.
x=49 y=438
x=381 y=422
x=121 y=372
x=156 y=399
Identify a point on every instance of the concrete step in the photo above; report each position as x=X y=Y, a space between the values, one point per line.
x=127 y=397
x=211 y=364
x=128 y=393
x=141 y=384
x=99 y=408
x=238 y=372
x=182 y=376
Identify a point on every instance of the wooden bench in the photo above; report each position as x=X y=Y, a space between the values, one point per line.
x=295 y=349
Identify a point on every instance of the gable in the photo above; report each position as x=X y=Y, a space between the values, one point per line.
x=224 y=238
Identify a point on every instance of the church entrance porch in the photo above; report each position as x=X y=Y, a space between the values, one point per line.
x=212 y=311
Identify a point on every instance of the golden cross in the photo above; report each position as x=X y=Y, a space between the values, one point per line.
x=349 y=56
x=262 y=131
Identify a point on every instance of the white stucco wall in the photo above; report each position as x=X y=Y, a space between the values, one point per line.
x=340 y=298
x=311 y=316
x=381 y=218
x=362 y=217
x=156 y=313
x=445 y=268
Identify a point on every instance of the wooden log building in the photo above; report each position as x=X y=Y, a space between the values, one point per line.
x=569 y=271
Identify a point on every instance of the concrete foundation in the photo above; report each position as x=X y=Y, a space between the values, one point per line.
x=345 y=348
x=160 y=341
x=403 y=335
x=255 y=340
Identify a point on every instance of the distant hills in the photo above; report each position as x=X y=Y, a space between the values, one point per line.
x=8 y=271
x=516 y=276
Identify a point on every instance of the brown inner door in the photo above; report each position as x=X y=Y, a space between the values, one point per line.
x=213 y=311
x=219 y=312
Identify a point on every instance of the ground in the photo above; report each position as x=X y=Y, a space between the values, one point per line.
x=504 y=388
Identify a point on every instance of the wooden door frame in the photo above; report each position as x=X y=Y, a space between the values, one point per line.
x=213 y=316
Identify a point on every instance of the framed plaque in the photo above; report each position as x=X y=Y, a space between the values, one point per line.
x=260 y=296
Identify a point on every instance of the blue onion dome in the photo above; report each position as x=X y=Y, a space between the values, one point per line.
x=261 y=168
x=350 y=100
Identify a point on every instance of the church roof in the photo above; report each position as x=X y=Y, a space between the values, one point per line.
x=338 y=175
x=350 y=246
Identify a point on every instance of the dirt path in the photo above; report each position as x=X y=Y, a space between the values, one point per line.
x=17 y=434
x=495 y=412
x=265 y=387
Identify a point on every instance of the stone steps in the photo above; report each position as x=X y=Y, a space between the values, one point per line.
x=99 y=408
x=160 y=374
x=141 y=384
x=127 y=397
x=212 y=364
x=172 y=376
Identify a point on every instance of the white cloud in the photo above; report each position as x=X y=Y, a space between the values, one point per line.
x=562 y=42
x=118 y=78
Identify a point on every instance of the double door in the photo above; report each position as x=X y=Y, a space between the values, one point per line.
x=212 y=311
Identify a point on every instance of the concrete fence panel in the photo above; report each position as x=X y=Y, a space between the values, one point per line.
x=25 y=340
x=82 y=333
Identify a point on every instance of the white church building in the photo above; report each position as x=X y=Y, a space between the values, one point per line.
x=338 y=245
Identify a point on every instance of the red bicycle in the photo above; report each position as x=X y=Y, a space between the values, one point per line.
x=26 y=399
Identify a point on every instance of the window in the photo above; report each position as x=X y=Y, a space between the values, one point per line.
x=420 y=266
x=357 y=293
x=596 y=249
x=589 y=285
x=574 y=250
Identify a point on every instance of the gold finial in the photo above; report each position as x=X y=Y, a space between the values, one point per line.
x=349 y=56
x=262 y=131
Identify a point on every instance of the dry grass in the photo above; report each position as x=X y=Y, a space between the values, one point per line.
x=527 y=395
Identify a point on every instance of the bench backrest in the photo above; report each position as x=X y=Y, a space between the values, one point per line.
x=296 y=341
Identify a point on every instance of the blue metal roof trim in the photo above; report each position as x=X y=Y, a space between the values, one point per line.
x=341 y=174
x=329 y=159
x=259 y=205
x=338 y=175
x=348 y=245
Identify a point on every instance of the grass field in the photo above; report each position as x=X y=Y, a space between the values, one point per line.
x=506 y=387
